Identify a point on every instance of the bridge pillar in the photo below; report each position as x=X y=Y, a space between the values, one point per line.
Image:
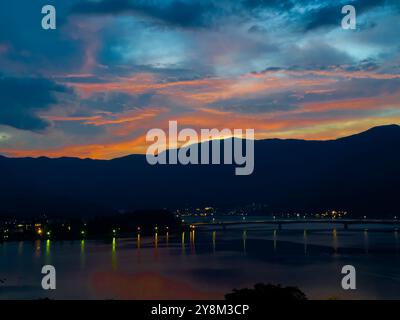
x=346 y=226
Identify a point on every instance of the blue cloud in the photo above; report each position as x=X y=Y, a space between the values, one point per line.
x=22 y=98
x=329 y=15
x=176 y=13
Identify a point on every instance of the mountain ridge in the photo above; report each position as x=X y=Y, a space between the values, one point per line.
x=362 y=133
x=359 y=174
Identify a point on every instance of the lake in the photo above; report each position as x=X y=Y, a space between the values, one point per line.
x=207 y=263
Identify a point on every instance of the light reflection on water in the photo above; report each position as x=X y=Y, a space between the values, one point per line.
x=366 y=241
x=82 y=254
x=212 y=263
x=305 y=241
x=114 y=254
x=244 y=241
x=214 y=239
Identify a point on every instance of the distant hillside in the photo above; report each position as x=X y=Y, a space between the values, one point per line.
x=359 y=173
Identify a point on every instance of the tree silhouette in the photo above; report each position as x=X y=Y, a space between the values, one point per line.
x=264 y=292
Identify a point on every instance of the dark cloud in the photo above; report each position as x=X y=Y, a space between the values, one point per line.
x=363 y=65
x=176 y=13
x=193 y=14
x=22 y=98
x=117 y=101
x=256 y=4
x=263 y=104
x=323 y=17
x=102 y=7
x=330 y=15
x=33 y=50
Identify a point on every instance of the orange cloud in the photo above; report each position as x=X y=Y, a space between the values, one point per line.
x=335 y=73
x=371 y=103
x=125 y=131
x=206 y=90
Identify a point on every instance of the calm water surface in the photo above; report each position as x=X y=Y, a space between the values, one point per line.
x=207 y=264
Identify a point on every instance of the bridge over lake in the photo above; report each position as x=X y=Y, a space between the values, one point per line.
x=281 y=222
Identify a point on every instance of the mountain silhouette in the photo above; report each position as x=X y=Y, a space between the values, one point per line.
x=359 y=174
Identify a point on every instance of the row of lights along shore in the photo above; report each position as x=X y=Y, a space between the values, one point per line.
x=114 y=231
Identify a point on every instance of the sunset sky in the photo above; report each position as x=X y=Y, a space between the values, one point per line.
x=114 y=69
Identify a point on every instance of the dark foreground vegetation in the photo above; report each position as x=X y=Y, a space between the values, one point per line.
x=266 y=292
